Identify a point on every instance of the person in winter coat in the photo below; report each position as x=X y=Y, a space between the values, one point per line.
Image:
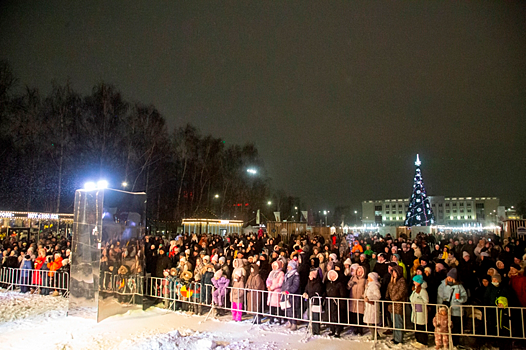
x=207 y=286
x=290 y=302
x=264 y=267
x=237 y=295
x=372 y=296
x=453 y=294
x=397 y=291
x=419 y=300
x=442 y=326
x=25 y=274
x=518 y=283
x=39 y=262
x=322 y=265
x=335 y=289
x=315 y=289
x=219 y=294
x=239 y=265
x=356 y=288
x=274 y=282
x=254 y=298
x=163 y=263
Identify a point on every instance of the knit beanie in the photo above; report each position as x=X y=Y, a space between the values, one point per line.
x=418 y=279
x=293 y=264
x=452 y=273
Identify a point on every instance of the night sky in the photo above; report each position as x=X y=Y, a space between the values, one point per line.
x=338 y=96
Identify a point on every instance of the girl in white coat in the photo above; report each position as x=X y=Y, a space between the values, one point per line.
x=419 y=300
x=372 y=295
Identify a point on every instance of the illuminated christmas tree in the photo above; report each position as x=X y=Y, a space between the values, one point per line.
x=419 y=212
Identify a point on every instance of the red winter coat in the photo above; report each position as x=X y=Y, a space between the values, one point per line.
x=39 y=262
x=518 y=283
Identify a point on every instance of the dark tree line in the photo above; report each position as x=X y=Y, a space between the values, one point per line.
x=51 y=145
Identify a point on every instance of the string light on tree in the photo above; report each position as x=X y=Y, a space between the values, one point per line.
x=420 y=212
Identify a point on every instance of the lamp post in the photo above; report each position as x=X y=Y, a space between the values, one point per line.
x=355 y=218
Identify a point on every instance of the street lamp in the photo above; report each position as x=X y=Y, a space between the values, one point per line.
x=356 y=218
x=269 y=203
x=252 y=171
x=216 y=196
x=124 y=184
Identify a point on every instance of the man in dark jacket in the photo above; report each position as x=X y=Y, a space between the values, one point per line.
x=381 y=266
x=163 y=263
x=466 y=273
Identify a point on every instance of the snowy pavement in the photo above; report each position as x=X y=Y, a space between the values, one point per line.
x=33 y=321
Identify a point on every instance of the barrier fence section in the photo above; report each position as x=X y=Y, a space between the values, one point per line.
x=122 y=284
x=500 y=322
x=44 y=280
x=204 y=298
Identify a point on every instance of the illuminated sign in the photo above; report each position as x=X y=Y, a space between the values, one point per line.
x=4 y=214
x=43 y=216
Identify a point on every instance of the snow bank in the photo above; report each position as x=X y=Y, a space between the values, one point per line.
x=17 y=308
x=33 y=321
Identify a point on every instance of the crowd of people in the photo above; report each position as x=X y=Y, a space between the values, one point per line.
x=449 y=270
x=364 y=280
x=50 y=256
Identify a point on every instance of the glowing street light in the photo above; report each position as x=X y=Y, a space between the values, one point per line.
x=252 y=171
x=269 y=203
x=124 y=184
x=216 y=196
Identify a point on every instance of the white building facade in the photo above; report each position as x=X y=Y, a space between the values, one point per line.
x=449 y=211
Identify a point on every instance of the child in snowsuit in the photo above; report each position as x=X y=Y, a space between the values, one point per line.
x=220 y=284
x=237 y=295
x=441 y=323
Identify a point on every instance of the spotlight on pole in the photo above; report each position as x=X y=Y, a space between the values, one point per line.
x=252 y=171
x=102 y=184
x=90 y=186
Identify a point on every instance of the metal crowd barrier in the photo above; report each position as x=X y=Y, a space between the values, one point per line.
x=492 y=321
x=499 y=323
x=511 y=320
x=281 y=306
x=44 y=280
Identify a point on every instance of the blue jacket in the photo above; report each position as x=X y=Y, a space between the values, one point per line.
x=26 y=265
x=291 y=284
x=448 y=293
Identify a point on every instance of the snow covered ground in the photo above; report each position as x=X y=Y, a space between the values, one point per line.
x=33 y=321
